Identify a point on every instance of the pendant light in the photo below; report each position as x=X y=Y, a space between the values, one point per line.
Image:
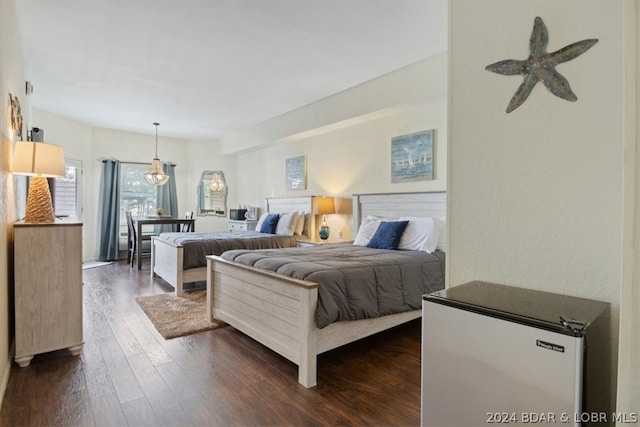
x=156 y=175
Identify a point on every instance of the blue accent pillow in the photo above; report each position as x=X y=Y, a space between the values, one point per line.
x=270 y=223
x=388 y=235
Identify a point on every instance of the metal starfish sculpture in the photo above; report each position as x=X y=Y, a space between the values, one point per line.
x=540 y=65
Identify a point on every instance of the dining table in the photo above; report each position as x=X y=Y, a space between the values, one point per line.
x=157 y=220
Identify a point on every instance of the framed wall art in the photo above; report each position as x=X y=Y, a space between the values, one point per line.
x=296 y=173
x=412 y=157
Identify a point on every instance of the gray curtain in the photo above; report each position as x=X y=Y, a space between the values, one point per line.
x=168 y=199
x=109 y=211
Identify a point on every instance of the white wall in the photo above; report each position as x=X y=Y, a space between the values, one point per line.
x=12 y=80
x=535 y=196
x=348 y=149
x=629 y=361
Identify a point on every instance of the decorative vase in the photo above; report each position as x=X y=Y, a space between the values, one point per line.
x=323 y=231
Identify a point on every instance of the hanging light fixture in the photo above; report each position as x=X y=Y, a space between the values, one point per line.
x=156 y=175
x=216 y=183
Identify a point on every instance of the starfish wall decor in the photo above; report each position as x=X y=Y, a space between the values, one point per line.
x=540 y=65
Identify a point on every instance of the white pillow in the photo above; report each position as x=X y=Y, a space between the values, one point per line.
x=421 y=234
x=300 y=224
x=366 y=230
x=261 y=220
x=441 y=225
x=287 y=224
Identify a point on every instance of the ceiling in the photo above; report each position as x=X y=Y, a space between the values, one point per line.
x=205 y=68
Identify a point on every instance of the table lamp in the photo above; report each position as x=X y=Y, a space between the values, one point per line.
x=324 y=206
x=40 y=161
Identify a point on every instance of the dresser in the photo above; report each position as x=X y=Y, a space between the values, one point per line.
x=48 y=288
x=242 y=225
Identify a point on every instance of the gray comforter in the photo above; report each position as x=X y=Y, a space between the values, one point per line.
x=355 y=282
x=198 y=245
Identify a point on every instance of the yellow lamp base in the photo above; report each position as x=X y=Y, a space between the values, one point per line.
x=39 y=207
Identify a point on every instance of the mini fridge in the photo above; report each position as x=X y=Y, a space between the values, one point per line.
x=497 y=354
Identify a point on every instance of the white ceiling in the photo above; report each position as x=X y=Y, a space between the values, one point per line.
x=205 y=68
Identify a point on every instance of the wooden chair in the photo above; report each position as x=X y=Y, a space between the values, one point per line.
x=186 y=228
x=133 y=241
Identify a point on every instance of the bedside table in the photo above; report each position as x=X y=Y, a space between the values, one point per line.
x=244 y=225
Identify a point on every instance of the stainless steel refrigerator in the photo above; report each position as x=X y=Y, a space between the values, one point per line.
x=496 y=354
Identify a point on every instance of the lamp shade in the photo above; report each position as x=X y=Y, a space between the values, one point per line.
x=324 y=205
x=41 y=161
x=38 y=159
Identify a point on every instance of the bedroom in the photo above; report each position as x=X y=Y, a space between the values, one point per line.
x=496 y=152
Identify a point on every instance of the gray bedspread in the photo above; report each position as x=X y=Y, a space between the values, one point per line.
x=198 y=245
x=355 y=282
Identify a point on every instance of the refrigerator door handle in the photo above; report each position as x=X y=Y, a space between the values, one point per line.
x=577 y=327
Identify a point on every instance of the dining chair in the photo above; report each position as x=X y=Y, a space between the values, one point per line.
x=186 y=228
x=145 y=250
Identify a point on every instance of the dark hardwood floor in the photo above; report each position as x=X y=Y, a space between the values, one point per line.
x=128 y=374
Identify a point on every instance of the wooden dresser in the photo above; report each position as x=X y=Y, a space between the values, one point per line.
x=48 y=288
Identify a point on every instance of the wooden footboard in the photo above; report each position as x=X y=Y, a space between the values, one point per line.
x=274 y=310
x=278 y=312
x=167 y=262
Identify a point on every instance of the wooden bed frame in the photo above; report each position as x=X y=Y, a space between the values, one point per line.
x=167 y=257
x=278 y=311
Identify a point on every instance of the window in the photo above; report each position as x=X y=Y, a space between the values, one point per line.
x=66 y=191
x=136 y=194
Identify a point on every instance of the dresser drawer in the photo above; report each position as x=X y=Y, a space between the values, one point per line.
x=247 y=225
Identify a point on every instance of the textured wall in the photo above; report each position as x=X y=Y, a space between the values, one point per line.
x=536 y=195
x=11 y=81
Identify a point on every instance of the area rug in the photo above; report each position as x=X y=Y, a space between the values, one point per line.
x=178 y=316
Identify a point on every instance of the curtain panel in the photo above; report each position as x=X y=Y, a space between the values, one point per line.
x=109 y=211
x=168 y=199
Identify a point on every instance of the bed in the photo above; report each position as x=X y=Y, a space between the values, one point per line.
x=171 y=253
x=279 y=310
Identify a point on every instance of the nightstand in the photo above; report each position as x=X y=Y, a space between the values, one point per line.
x=244 y=225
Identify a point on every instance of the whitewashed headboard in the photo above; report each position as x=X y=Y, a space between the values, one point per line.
x=395 y=205
x=291 y=204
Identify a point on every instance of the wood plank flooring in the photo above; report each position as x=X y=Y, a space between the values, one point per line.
x=128 y=374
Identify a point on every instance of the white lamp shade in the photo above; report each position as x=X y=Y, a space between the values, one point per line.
x=38 y=159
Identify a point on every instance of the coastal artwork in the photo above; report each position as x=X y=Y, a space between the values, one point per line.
x=295 y=173
x=412 y=157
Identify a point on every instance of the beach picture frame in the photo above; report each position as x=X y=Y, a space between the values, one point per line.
x=412 y=157
x=296 y=173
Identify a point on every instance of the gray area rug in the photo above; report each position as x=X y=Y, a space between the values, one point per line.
x=178 y=316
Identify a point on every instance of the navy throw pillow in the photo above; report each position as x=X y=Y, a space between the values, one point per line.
x=388 y=235
x=270 y=223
